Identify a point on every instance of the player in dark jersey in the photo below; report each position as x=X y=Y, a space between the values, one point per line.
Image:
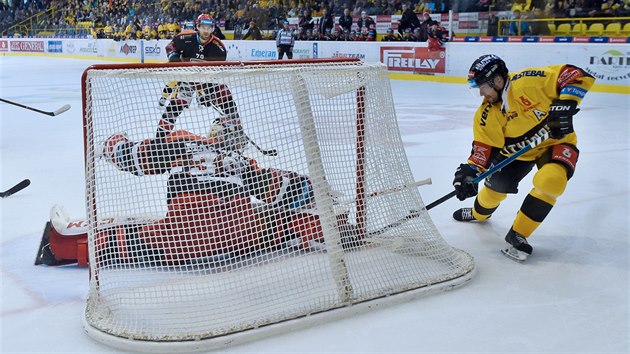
x=199 y=45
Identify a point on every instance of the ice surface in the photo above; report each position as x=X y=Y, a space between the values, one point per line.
x=571 y=295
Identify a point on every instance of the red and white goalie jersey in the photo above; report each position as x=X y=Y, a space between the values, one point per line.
x=221 y=204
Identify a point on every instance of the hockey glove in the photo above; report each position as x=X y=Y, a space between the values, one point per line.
x=560 y=119
x=464 y=175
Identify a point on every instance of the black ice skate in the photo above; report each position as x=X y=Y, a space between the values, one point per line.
x=517 y=248
x=464 y=214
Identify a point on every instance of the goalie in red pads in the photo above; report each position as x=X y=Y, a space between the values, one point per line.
x=221 y=205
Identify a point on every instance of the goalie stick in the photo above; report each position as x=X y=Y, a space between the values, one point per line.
x=52 y=114
x=18 y=187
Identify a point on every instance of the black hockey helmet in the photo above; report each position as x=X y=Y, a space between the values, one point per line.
x=485 y=69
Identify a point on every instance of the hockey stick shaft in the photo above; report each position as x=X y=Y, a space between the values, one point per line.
x=486 y=174
x=52 y=114
x=416 y=213
x=18 y=187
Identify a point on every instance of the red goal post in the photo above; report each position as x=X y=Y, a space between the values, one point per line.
x=199 y=239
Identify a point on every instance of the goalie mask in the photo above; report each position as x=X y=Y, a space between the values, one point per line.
x=229 y=133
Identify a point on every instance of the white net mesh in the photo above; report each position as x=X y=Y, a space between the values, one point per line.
x=194 y=236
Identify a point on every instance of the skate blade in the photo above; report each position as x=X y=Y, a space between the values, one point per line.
x=514 y=254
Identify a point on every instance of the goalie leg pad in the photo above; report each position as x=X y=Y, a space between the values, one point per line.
x=64 y=241
x=202 y=225
x=219 y=96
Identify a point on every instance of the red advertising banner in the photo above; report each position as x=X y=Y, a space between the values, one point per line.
x=414 y=59
x=27 y=46
x=4 y=46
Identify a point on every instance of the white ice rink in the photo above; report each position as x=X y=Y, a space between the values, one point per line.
x=571 y=296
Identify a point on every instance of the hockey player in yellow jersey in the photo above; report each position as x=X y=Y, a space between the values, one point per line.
x=535 y=104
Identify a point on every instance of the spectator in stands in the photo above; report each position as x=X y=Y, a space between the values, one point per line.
x=519 y=27
x=550 y=9
x=493 y=25
x=253 y=31
x=408 y=36
x=305 y=22
x=217 y=32
x=294 y=11
x=345 y=21
x=344 y=35
x=539 y=28
x=370 y=36
x=427 y=22
x=382 y=8
x=358 y=7
x=365 y=22
x=326 y=22
x=611 y=8
x=408 y=20
x=390 y=36
x=417 y=33
x=521 y=5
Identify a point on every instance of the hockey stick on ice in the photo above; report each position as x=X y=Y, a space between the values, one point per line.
x=488 y=173
x=416 y=213
x=18 y=187
x=52 y=114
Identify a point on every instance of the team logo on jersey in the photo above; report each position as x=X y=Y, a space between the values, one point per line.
x=480 y=154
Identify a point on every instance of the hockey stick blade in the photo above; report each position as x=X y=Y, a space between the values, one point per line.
x=52 y=114
x=18 y=187
x=270 y=152
x=61 y=110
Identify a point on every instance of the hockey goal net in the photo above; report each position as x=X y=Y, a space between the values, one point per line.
x=227 y=201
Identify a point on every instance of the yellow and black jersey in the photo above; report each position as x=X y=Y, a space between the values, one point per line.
x=521 y=117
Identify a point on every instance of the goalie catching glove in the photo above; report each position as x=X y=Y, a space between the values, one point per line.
x=463 y=182
x=229 y=132
x=560 y=119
